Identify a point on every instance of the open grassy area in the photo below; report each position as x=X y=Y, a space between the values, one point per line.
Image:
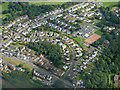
x=82 y=23
x=17 y=45
x=99 y=32
x=46 y=3
x=5 y=6
x=80 y=40
x=96 y=21
x=15 y=62
x=106 y=4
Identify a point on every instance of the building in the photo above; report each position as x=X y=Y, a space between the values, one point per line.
x=117 y=80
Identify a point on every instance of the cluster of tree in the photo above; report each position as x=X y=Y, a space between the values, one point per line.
x=68 y=4
x=109 y=18
x=17 y=9
x=22 y=80
x=51 y=52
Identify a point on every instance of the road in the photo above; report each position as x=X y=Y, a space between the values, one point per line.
x=73 y=62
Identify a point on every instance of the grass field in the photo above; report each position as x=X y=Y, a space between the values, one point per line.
x=79 y=39
x=18 y=45
x=45 y=3
x=96 y=21
x=5 y=6
x=82 y=23
x=99 y=32
x=106 y=4
x=15 y=62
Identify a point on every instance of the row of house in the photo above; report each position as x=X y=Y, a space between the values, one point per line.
x=17 y=20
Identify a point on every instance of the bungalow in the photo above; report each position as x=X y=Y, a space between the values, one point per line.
x=60 y=15
x=68 y=32
x=88 y=9
x=49 y=77
x=18 y=68
x=12 y=47
x=67 y=59
x=8 y=43
x=18 y=29
x=86 y=4
x=117 y=80
x=21 y=48
x=63 y=46
x=87 y=20
x=4 y=67
x=90 y=14
x=65 y=67
x=12 y=67
x=16 y=54
x=65 y=16
x=23 y=57
x=60 y=43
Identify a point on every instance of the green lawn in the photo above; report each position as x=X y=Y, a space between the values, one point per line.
x=96 y=21
x=46 y=3
x=15 y=62
x=106 y=4
x=5 y=6
x=79 y=39
x=17 y=45
x=82 y=23
x=99 y=32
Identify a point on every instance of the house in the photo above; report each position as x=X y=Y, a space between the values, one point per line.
x=12 y=67
x=12 y=47
x=60 y=15
x=23 y=57
x=90 y=14
x=87 y=20
x=17 y=36
x=4 y=66
x=18 y=68
x=8 y=43
x=21 y=48
x=49 y=77
x=86 y=4
x=63 y=46
x=67 y=59
x=117 y=80
x=65 y=67
x=16 y=54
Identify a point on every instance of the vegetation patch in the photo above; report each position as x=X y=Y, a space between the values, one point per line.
x=99 y=32
x=15 y=62
x=107 y=4
x=22 y=80
x=51 y=51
